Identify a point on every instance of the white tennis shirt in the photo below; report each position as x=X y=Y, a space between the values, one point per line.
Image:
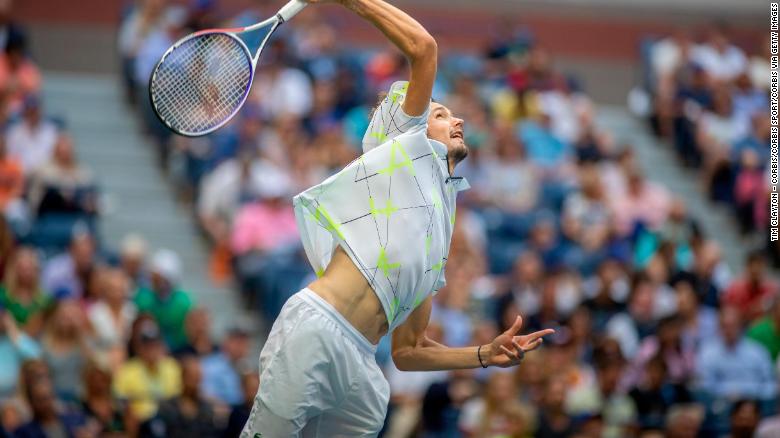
x=392 y=210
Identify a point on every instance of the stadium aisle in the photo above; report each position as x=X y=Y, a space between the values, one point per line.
x=659 y=164
x=138 y=199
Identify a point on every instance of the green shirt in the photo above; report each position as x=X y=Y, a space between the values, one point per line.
x=22 y=312
x=765 y=333
x=169 y=312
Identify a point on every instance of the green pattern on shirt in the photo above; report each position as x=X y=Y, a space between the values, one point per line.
x=384 y=265
x=321 y=215
x=406 y=162
x=387 y=211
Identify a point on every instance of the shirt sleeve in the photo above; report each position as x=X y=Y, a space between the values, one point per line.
x=389 y=119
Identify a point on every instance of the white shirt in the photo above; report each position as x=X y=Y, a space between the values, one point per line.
x=289 y=92
x=725 y=65
x=32 y=146
x=392 y=210
x=109 y=330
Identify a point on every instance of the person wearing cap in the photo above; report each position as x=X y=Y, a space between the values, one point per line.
x=149 y=378
x=164 y=300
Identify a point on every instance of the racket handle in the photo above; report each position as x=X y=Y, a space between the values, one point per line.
x=290 y=9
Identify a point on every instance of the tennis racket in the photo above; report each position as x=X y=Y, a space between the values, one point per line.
x=202 y=81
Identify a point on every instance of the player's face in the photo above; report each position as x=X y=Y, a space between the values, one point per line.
x=448 y=129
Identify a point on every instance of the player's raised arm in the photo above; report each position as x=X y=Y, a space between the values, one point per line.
x=412 y=39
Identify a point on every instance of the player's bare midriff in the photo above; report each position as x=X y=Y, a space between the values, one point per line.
x=345 y=288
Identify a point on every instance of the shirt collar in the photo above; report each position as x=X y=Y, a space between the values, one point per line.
x=460 y=183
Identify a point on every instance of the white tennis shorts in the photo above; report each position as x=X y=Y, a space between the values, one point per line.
x=318 y=376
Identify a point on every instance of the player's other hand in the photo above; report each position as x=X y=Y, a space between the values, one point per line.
x=508 y=349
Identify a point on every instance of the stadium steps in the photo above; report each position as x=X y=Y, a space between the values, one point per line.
x=137 y=197
x=659 y=163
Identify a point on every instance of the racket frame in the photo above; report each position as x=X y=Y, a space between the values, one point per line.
x=285 y=13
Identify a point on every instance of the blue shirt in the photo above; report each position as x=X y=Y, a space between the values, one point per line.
x=542 y=147
x=13 y=354
x=742 y=371
x=220 y=379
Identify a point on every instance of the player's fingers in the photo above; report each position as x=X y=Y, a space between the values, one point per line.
x=534 y=345
x=510 y=354
x=516 y=326
x=536 y=335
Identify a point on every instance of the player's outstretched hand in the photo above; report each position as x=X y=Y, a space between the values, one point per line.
x=508 y=349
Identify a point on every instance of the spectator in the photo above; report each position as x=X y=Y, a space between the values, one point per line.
x=164 y=300
x=443 y=402
x=15 y=348
x=197 y=326
x=19 y=76
x=111 y=316
x=11 y=177
x=731 y=366
x=279 y=89
x=631 y=327
x=604 y=396
x=407 y=389
x=719 y=57
x=644 y=203
x=111 y=417
x=497 y=412
x=65 y=349
x=699 y=323
x=250 y=381
x=654 y=394
x=586 y=218
x=605 y=293
x=684 y=421
x=62 y=185
x=67 y=275
x=187 y=414
x=544 y=149
x=668 y=344
x=752 y=293
x=151 y=377
x=267 y=225
x=21 y=295
x=132 y=256
x=146 y=18
x=745 y=415
x=48 y=419
x=513 y=185
x=222 y=370
x=552 y=420
x=766 y=330
x=31 y=140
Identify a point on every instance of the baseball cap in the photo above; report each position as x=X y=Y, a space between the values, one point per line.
x=167 y=264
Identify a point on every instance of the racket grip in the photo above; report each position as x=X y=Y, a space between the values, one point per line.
x=290 y=9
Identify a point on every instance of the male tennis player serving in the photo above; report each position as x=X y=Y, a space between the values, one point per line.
x=377 y=233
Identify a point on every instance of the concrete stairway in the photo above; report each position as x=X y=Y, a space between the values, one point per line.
x=659 y=164
x=138 y=199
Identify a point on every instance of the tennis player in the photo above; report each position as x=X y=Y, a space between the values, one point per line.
x=377 y=234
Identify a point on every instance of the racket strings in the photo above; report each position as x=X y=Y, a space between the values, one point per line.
x=201 y=83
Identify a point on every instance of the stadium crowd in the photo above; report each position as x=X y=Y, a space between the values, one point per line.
x=656 y=337
x=711 y=101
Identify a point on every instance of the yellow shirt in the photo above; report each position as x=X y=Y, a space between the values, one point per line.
x=144 y=388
